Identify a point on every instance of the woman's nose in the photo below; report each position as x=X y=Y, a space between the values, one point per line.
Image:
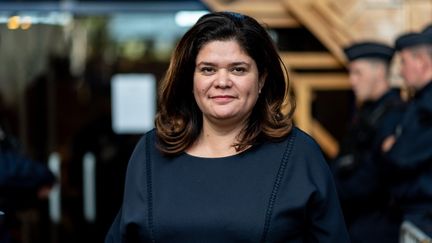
x=223 y=79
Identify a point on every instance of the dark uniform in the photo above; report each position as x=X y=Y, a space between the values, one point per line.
x=410 y=158
x=358 y=167
x=20 y=180
x=411 y=162
x=20 y=177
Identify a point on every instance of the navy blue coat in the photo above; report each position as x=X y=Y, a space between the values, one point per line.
x=410 y=161
x=20 y=179
x=273 y=192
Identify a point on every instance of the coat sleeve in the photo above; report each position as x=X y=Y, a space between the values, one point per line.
x=324 y=212
x=131 y=223
x=20 y=173
x=412 y=149
x=114 y=235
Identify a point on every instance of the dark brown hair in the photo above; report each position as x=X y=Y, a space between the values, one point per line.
x=179 y=120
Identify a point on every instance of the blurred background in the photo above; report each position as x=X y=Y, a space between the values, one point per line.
x=71 y=73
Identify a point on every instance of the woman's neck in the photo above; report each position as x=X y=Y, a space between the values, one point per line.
x=216 y=141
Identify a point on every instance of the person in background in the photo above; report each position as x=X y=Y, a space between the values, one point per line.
x=357 y=168
x=409 y=149
x=224 y=163
x=23 y=183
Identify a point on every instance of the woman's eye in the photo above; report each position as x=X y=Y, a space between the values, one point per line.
x=239 y=70
x=207 y=70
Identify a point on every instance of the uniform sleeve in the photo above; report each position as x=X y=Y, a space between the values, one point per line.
x=412 y=150
x=361 y=183
x=20 y=173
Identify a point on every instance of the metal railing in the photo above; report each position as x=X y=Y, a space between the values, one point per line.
x=410 y=233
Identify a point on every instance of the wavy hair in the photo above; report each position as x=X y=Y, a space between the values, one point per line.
x=178 y=120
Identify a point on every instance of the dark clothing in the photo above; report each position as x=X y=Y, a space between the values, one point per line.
x=20 y=173
x=359 y=174
x=111 y=153
x=273 y=192
x=20 y=180
x=410 y=161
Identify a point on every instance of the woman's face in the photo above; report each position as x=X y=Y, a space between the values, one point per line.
x=226 y=82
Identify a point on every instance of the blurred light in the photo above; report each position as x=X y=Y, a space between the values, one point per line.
x=26 y=22
x=188 y=18
x=26 y=19
x=13 y=22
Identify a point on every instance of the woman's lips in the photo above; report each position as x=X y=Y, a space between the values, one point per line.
x=222 y=98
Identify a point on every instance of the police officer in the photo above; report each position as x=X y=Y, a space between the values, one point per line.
x=23 y=183
x=409 y=150
x=357 y=169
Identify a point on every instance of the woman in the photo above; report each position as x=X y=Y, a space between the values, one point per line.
x=224 y=164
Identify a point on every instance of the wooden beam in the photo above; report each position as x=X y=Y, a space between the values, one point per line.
x=305 y=85
x=272 y=13
x=326 y=141
x=335 y=21
x=264 y=7
x=317 y=24
x=303 y=113
x=327 y=81
x=275 y=22
x=310 y=60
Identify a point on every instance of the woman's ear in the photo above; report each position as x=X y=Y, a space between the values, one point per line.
x=261 y=81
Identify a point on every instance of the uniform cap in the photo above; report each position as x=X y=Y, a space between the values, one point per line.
x=369 y=50
x=427 y=30
x=414 y=39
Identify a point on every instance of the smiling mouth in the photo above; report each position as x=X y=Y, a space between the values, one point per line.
x=222 y=98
